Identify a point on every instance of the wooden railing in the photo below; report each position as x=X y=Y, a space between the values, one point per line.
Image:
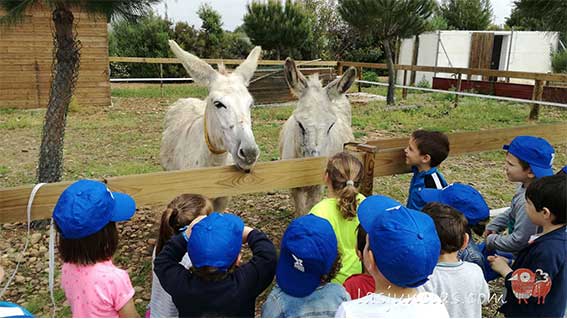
x=160 y=188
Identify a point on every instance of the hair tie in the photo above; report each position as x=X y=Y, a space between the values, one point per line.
x=350 y=182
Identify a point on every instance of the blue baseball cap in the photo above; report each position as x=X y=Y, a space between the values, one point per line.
x=535 y=151
x=86 y=206
x=404 y=243
x=215 y=241
x=308 y=251
x=373 y=205
x=462 y=197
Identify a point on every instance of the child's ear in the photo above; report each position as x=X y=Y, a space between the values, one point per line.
x=359 y=254
x=547 y=214
x=466 y=239
x=531 y=173
x=426 y=158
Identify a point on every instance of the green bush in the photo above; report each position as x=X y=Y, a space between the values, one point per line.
x=559 y=62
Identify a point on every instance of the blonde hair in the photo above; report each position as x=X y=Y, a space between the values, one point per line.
x=180 y=212
x=345 y=173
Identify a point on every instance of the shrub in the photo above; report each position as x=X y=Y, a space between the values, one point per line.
x=559 y=62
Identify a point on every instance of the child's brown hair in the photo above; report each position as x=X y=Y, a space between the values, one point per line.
x=451 y=226
x=89 y=250
x=180 y=212
x=345 y=173
x=432 y=143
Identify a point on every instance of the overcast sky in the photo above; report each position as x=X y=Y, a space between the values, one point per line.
x=232 y=11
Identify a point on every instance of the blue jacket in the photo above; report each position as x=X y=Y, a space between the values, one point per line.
x=322 y=303
x=548 y=253
x=431 y=178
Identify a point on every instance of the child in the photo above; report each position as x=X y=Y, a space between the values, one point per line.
x=343 y=176
x=308 y=261
x=528 y=158
x=542 y=265
x=468 y=201
x=11 y=310
x=401 y=251
x=85 y=217
x=180 y=212
x=426 y=150
x=360 y=285
x=460 y=284
x=216 y=285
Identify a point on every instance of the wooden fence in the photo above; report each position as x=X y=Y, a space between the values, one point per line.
x=160 y=188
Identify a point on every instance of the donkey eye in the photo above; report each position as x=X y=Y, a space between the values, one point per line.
x=330 y=127
x=219 y=105
x=301 y=127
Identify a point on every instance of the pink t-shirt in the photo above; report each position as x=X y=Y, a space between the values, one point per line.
x=98 y=290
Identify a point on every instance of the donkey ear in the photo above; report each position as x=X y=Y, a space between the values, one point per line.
x=247 y=68
x=294 y=78
x=342 y=84
x=200 y=71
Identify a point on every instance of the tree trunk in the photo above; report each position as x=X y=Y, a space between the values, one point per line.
x=63 y=81
x=390 y=99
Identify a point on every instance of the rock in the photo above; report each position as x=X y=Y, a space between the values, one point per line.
x=32 y=259
x=138 y=289
x=20 y=279
x=138 y=301
x=152 y=241
x=19 y=258
x=42 y=249
x=35 y=238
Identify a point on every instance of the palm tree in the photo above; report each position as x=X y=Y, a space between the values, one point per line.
x=66 y=65
x=387 y=20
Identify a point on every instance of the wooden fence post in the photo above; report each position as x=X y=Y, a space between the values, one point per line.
x=405 y=90
x=536 y=96
x=367 y=154
x=339 y=68
x=459 y=83
x=359 y=78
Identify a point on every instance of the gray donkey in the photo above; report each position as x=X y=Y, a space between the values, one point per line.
x=319 y=126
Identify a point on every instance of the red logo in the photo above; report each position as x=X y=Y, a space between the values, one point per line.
x=526 y=284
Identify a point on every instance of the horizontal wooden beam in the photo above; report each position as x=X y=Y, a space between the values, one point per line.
x=556 y=77
x=486 y=140
x=216 y=61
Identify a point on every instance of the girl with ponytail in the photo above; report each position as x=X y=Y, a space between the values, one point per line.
x=180 y=212
x=342 y=177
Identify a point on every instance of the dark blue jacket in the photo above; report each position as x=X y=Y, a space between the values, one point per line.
x=431 y=178
x=234 y=296
x=548 y=253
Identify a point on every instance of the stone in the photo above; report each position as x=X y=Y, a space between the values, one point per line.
x=35 y=238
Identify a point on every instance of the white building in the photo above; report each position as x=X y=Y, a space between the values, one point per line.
x=526 y=51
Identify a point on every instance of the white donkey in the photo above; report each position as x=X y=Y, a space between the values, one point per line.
x=319 y=126
x=216 y=131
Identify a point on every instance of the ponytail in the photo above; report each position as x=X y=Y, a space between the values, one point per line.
x=180 y=212
x=345 y=173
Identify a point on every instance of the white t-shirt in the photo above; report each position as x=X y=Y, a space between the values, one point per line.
x=461 y=287
x=422 y=305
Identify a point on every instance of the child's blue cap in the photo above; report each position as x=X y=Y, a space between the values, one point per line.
x=535 y=151
x=308 y=251
x=404 y=242
x=462 y=197
x=215 y=241
x=564 y=169
x=86 y=206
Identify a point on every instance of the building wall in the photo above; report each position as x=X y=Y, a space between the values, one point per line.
x=530 y=52
x=26 y=52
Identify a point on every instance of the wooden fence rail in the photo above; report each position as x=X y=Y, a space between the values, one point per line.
x=556 y=77
x=161 y=187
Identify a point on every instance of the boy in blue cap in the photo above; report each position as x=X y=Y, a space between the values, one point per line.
x=528 y=158
x=216 y=285
x=468 y=201
x=401 y=252
x=425 y=151
x=309 y=259
x=536 y=284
